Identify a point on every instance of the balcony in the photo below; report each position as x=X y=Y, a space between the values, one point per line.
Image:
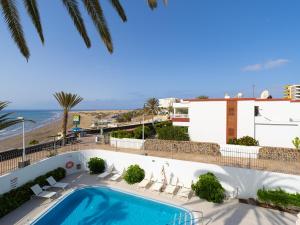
x=180 y=118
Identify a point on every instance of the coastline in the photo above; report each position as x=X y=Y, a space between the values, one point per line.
x=51 y=128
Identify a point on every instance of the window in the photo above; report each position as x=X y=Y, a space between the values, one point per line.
x=256 y=110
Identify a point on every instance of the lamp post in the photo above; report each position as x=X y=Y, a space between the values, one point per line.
x=23 y=125
x=143 y=133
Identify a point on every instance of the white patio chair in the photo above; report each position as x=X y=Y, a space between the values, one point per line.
x=185 y=190
x=107 y=172
x=53 y=183
x=38 y=191
x=172 y=186
x=146 y=181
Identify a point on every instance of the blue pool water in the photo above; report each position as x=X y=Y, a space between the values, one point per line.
x=104 y=206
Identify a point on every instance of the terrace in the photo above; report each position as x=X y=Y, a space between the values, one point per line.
x=231 y=167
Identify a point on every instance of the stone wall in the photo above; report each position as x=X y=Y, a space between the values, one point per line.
x=281 y=154
x=183 y=146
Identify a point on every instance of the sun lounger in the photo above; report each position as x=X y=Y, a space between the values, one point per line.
x=172 y=186
x=107 y=172
x=55 y=184
x=158 y=184
x=146 y=181
x=38 y=191
x=117 y=175
x=185 y=190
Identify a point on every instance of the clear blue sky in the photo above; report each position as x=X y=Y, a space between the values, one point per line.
x=189 y=48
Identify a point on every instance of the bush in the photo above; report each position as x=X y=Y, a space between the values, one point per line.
x=134 y=174
x=138 y=132
x=13 y=199
x=246 y=140
x=173 y=133
x=208 y=187
x=33 y=142
x=296 y=142
x=278 y=197
x=159 y=125
x=96 y=165
x=122 y=134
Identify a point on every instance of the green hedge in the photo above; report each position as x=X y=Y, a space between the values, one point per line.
x=278 y=197
x=16 y=197
x=209 y=188
x=134 y=174
x=173 y=133
x=96 y=165
x=246 y=140
x=137 y=133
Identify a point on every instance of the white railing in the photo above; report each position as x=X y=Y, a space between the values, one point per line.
x=240 y=151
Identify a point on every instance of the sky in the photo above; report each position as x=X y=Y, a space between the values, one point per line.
x=186 y=49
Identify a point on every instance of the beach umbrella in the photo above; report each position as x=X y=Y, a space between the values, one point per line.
x=76 y=129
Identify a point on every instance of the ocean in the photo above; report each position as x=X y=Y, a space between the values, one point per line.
x=41 y=118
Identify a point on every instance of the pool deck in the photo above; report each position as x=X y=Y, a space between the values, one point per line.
x=229 y=213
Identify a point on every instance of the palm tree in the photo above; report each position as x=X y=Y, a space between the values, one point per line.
x=93 y=7
x=5 y=120
x=66 y=101
x=152 y=107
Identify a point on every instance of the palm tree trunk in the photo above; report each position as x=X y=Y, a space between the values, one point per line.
x=64 y=125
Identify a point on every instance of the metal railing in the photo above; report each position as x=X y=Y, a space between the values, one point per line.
x=180 y=116
x=12 y=159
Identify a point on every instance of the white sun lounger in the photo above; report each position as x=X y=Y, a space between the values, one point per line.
x=38 y=191
x=158 y=185
x=118 y=175
x=146 y=181
x=55 y=184
x=172 y=186
x=107 y=172
x=185 y=190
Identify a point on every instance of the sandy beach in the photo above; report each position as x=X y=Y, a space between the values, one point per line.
x=43 y=134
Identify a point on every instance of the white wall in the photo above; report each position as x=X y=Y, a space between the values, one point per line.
x=245 y=119
x=37 y=169
x=247 y=181
x=126 y=143
x=208 y=121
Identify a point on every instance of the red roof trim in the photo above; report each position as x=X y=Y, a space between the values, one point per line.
x=240 y=99
x=180 y=119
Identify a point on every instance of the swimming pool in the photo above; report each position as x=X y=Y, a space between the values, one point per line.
x=102 y=205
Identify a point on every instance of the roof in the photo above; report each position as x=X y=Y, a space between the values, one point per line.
x=240 y=99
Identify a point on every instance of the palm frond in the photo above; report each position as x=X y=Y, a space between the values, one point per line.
x=67 y=100
x=72 y=7
x=118 y=7
x=94 y=9
x=33 y=12
x=152 y=4
x=12 y=19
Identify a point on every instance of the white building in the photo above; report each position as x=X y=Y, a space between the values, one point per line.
x=167 y=102
x=273 y=122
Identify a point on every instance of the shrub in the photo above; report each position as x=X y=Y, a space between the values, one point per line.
x=296 y=142
x=13 y=199
x=122 y=134
x=246 y=140
x=138 y=132
x=278 y=197
x=208 y=187
x=33 y=142
x=159 y=125
x=134 y=174
x=173 y=133
x=96 y=165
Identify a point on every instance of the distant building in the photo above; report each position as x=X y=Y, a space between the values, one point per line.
x=167 y=102
x=273 y=122
x=292 y=91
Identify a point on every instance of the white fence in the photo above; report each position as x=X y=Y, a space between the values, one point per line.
x=240 y=151
x=247 y=181
x=127 y=143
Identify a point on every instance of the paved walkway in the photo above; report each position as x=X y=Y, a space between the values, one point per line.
x=229 y=213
